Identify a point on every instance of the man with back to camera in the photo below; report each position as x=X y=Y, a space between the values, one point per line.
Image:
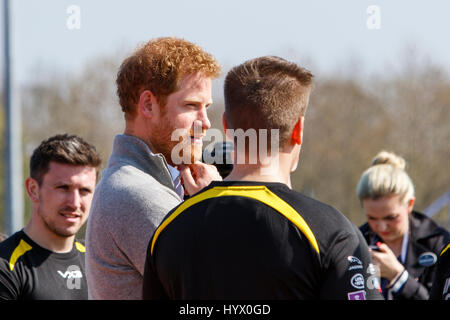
x=251 y=236
x=163 y=87
x=440 y=289
x=44 y=261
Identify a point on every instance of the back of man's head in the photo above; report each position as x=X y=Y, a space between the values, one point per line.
x=267 y=93
x=64 y=149
x=157 y=66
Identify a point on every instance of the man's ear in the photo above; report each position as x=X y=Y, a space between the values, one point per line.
x=297 y=133
x=146 y=104
x=32 y=187
x=225 y=126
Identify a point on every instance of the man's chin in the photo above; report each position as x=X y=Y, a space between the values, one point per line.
x=65 y=232
x=193 y=155
x=196 y=153
x=191 y=159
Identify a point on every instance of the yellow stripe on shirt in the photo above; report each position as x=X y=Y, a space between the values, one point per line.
x=18 y=252
x=445 y=249
x=260 y=193
x=80 y=247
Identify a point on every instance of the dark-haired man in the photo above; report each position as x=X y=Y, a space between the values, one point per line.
x=251 y=236
x=44 y=261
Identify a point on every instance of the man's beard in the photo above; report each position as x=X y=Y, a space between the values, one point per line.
x=185 y=151
x=60 y=231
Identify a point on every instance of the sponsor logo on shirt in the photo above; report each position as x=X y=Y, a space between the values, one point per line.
x=357 y=281
x=355 y=263
x=357 y=295
x=73 y=277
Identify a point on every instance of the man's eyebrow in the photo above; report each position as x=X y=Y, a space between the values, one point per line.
x=197 y=101
x=192 y=100
x=60 y=182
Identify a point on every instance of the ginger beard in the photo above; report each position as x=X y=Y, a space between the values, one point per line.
x=179 y=145
x=180 y=123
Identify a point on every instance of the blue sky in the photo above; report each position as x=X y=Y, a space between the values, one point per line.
x=326 y=34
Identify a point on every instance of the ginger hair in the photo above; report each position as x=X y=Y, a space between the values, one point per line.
x=158 y=65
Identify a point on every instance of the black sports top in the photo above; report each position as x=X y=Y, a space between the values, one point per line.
x=253 y=240
x=441 y=286
x=28 y=271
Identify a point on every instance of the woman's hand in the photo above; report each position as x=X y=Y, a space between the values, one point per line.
x=385 y=259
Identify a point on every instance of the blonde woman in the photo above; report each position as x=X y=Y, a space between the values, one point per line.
x=404 y=243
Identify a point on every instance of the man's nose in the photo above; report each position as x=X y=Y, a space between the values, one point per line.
x=74 y=199
x=203 y=117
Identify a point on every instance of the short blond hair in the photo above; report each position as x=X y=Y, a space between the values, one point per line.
x=157 y=66
x=386 y=176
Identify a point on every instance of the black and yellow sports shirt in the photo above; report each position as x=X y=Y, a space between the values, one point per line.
x=253 y=240
x=441 y=284
x=30 y=272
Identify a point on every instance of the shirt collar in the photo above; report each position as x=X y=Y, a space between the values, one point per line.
x=404 y=247
x=173 y=172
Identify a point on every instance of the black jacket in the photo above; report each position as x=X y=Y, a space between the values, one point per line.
x=425 y=236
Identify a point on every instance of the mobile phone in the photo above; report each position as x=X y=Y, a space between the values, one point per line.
x=374 y=248
x=223 y=151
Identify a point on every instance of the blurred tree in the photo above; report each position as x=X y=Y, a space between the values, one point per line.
x=349 y=120
x=343 y=125
x=418 y=102
x=84 y=103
